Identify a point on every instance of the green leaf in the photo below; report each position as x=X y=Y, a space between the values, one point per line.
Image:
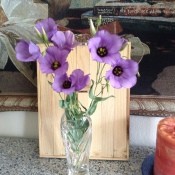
x=92 y=108
x=83 y=106
x=95 y=100
x=67 y=98
x=63 y=104
x=94 y=103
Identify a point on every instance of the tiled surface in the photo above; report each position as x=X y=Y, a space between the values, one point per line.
x=19 y=156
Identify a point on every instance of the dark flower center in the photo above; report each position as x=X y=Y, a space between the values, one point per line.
x=117 y=71
x=66 y=84
x=102 y=51
x=56 y=65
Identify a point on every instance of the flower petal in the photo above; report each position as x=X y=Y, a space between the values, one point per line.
x=70 y=40
x=27 y=51
x=114 y=81
x=59 y=39
x=128 y=82
x=80 y=79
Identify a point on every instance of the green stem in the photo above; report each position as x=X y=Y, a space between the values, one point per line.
x=98 y=70
x=98 y=76
x=102 y=70
x=60 y=96
x=101 y=90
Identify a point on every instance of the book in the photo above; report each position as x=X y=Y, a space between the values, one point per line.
x=136 y=23
x=116 y=8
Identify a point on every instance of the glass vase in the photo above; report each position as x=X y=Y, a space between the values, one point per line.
x=77 y=136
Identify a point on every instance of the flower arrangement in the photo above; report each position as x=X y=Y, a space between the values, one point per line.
x=104 y=48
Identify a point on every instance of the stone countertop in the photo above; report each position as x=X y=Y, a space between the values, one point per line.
x=20 y=156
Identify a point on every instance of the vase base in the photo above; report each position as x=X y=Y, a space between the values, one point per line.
x=79 y=173
x=83 y=172
x=70 y=173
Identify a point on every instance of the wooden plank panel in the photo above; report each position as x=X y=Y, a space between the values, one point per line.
x=96 y=147
x=72 y=59
x=110 y=121
x=83 y=58
x=121 y=120
x=108 y=125
x=57 y=114
x=120 y=129
x=45 y=116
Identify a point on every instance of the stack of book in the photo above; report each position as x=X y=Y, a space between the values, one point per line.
x=144 y=16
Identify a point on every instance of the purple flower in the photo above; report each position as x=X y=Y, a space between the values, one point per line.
x=54 y=61
x=81 y=79
x=65 y=40
x=68 y=85
x=27 y=51
x=123 y=73
x=104 y=47
x=63 y=84
x=48 y=25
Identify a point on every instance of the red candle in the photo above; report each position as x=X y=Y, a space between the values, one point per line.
x=164 y=162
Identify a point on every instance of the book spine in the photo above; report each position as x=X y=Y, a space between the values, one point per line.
x=106 y=10
x=133 y=11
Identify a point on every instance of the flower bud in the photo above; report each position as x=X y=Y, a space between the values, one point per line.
x=92 y=27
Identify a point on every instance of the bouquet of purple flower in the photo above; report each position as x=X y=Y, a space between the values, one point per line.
x=104 y=48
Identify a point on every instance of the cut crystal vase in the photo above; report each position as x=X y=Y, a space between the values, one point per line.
x=77 y=136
